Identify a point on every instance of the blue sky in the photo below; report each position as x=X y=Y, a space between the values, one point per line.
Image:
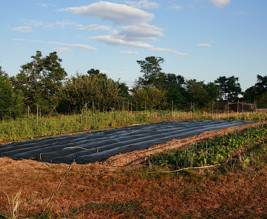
x=201 y=39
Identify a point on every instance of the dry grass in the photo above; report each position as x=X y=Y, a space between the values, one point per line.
x=136 y=194
x=14 y=203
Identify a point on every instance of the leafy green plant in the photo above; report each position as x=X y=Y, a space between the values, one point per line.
x=211 y=152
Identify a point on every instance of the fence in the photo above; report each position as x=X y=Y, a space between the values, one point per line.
x=220 y=107
x=215 y=107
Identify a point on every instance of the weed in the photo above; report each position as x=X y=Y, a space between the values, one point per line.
x=14 y=203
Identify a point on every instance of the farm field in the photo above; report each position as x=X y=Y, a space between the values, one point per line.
x=101 y=145
x=199 y=176
x=34 y=127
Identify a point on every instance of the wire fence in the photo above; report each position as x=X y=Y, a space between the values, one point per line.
x=130 y=106
x=223 y=107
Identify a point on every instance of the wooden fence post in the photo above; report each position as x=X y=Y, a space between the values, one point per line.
x=172 y=107
x=37 y=112
x=255 y=106
x=86 y=115
x=28 y=111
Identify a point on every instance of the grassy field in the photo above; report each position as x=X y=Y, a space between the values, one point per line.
x=32 y=127
x=224 y=177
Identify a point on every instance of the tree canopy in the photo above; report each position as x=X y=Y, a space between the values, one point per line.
x=43 y=82
x=40 y=81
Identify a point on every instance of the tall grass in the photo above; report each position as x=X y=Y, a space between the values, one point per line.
x=26 y=128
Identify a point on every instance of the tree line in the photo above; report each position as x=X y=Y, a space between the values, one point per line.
x=44 y=83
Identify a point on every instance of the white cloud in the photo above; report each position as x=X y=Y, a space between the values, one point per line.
x=220 y=3
x=61 y=49
x=113 y=40
x=240 y=13
x=80 y=46
x=130 y=52
x=105 y=71
x=143 y=4
x=34 y=23
x=204 y=45
x=43 y=5
x=23 y=29
x=64 y=24
x=93 y=27
x=73 y=45
x=117 y=13
x=135 y=33
x=169 y=51
x=176 y=7
x=142 y=32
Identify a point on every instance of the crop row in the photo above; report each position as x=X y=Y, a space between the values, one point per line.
x=212 y=152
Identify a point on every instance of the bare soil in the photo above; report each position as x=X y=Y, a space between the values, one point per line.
x=116 y=189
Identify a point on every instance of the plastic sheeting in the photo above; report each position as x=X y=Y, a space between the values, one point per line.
x=100 y=145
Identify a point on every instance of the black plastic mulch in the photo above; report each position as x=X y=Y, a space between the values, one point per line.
x=100 y=145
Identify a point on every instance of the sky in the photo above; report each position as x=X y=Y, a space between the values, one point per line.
x=198 y=39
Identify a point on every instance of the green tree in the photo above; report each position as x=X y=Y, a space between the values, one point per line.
x=124 y=91
x=97 y=72
x=229 y=88
x=257 y=92
x=89 y=89
x=10 y=102
x=176 y=92
x=5 y=95
x=213 y=91
x=151 y=69
x=40 y=81
x=198 y=93
x=151 y=97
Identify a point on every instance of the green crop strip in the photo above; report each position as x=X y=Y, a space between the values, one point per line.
x=212 y=152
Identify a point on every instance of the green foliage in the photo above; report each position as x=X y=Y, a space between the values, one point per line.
x=211 y=152
x=5 y=97
x=150 y=67
x=257 y=92
x=93 y=90
x=229 y=88
x=152 y=97
x=40 y=81
x=42 y=84
x=22 y=129
x=198 y=93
